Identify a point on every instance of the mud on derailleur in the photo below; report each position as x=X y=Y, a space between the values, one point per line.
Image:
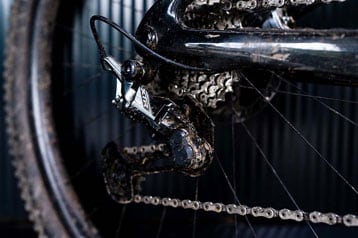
x=181 y=128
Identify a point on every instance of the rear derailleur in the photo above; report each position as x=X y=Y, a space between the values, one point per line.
x=183 y=133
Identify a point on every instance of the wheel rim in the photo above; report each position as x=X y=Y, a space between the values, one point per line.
x=41 y=120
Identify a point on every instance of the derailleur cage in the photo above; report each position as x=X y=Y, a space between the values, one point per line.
x=183 y=126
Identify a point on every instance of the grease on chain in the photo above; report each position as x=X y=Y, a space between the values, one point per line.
x=145 y=149
x=348 y=220
x=252 y=4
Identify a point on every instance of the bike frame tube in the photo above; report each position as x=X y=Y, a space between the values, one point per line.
x=333 y=54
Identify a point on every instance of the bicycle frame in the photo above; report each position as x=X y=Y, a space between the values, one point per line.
x=330 y=54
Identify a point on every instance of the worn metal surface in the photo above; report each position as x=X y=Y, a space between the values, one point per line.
x=267 y=48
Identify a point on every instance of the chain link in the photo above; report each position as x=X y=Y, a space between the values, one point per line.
x=252 y=4
x=145 y=149
x=348 y=220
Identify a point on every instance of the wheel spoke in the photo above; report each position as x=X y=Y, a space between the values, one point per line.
x=234 y=193
x=302 y=137
x=161 y=222
x=273 y=170
x=120 y=222
x=331 y=109
x=233 y=146
x=303 y=95
x=193 y=235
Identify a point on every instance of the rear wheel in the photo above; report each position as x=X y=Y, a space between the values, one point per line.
x=59 y=118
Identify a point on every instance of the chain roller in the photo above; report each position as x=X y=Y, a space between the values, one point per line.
x=252 y=4
x=145 y=149
x=350 y=220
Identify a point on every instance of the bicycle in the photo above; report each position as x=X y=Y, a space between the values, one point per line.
x=40 y=144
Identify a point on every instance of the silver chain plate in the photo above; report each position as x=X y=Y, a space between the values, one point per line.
x=252 y=4
x=144 y=149
x=348 y=220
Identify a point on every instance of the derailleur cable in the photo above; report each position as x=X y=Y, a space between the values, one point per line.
x=139 y=44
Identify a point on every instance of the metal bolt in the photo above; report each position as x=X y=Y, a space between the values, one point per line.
x=152 y=38
x=132 y=70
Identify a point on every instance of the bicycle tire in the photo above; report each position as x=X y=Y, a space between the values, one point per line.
x=31 y=22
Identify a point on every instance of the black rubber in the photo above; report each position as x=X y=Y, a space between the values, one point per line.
x=51 y=202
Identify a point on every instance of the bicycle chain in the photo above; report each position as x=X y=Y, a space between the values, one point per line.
x=330 y=218
x=193 y=81
x=348 y=220
x=253 y=4
x=146 y=150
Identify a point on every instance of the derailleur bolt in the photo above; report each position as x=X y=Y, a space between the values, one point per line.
x=132 y=70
